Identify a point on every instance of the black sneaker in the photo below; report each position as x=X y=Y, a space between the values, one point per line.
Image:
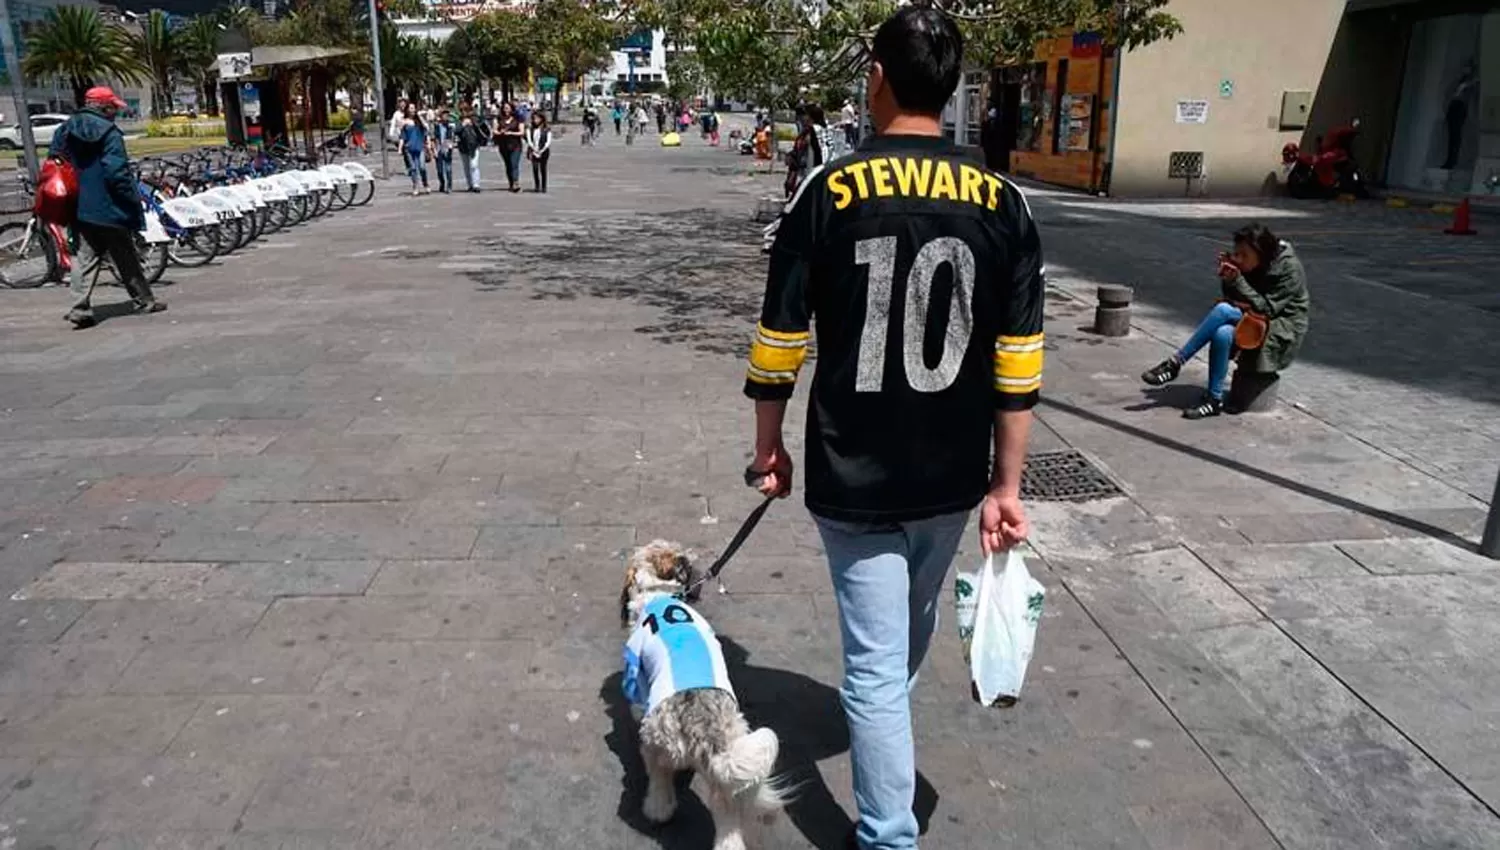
x=1162 y=373
x=1210 y=406
x=152 y=306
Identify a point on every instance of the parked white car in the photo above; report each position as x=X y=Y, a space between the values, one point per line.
x=42 y=127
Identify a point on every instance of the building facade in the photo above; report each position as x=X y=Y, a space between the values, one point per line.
x=1208 y=112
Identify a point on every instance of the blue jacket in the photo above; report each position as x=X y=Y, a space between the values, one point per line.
x=106 y=187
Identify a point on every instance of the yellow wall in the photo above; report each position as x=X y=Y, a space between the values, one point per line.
x=1265 y=48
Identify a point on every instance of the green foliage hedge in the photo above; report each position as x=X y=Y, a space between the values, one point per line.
x=182 y=127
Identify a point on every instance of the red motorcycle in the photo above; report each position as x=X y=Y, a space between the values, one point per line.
x=1329 y=173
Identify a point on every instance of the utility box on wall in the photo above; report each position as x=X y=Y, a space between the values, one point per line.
x=1295 y=107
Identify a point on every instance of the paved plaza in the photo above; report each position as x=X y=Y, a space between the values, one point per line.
x=328 y=555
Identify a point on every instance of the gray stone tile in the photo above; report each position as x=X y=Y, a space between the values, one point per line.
x=1224 y=824
x=146 y=794
x=260 y=665
x=37 y=621
x=139 y=622
x=286 y=725
x=98 y=725
x=298 y=578
x=1189 y=593
x=403 y=668
x=1269 y=562
x=355 y=618
x=137 y=580
x=62 y=668
x=1416 y=556
x=462 y=578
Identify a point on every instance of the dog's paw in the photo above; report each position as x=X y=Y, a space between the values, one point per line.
x=659 y=808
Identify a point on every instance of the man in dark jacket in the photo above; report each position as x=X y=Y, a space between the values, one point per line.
x=109 y=209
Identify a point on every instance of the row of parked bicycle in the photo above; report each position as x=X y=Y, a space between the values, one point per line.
x=199 y=205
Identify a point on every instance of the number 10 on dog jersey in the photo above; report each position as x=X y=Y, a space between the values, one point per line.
x=672 y=649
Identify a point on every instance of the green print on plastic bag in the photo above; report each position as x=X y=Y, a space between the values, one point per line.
x=1034 y=608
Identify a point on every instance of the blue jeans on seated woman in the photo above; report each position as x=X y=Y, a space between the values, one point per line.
x=1217 y=332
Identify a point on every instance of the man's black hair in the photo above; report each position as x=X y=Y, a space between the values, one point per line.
x=921 y=52
x=1259 y=237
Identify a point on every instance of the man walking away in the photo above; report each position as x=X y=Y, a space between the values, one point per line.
x=849 y=120
x=908 y=393
x=470 y=137
x=109 y=208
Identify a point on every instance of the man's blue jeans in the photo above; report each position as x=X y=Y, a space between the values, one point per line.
x=445 y=171
x=888 y=579
x=1216 y=332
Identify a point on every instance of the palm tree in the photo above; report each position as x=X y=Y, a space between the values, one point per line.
x=159 y=50
x=76 y=43
x=197 y=57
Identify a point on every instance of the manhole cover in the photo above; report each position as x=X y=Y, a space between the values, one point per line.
x=1065 y=476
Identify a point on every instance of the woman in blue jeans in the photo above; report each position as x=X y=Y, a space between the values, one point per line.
x=1262 y=274
x=414 y=147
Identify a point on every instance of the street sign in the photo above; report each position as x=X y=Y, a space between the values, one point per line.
x=546 y=84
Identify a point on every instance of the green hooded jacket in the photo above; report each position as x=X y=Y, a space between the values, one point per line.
x=1278 y=291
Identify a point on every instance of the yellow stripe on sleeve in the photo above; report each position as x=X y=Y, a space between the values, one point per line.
x=776 y=356
x=1018 y=364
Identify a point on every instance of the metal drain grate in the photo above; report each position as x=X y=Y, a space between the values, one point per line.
x=1065 y=476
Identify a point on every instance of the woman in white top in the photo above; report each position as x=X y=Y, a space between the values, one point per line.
x=539 y=149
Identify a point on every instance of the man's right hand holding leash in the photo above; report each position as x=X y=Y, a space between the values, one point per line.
x=770 y=470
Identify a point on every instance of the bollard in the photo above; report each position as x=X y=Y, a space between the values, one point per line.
x=1112 y=316
x=1489 y=545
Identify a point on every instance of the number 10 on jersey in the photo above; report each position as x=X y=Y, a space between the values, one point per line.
x=880 y=256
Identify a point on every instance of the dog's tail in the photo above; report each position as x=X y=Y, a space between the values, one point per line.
x=746 y=768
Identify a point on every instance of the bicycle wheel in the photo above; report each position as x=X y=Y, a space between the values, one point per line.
x=232 y=232
x=28 y=258
x=364 y=193
x=322 y=201
x=276 y=216
x=153 y=258
x=343 y=196
x=195 y=247
x=302 y=207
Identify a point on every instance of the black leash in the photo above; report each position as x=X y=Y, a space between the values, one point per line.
x=734 y=546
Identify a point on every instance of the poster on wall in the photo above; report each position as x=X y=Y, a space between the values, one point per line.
x=1078 y=121
x=1192 y=112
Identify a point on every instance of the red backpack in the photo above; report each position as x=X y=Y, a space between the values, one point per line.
x=57 y=192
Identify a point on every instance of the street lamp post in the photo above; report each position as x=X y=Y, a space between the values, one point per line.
x=17 y=87
x=385 y=153
x=146 y=41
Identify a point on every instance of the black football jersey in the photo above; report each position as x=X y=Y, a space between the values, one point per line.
x=922 y=272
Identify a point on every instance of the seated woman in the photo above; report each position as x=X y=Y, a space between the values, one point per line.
x=1262 y=276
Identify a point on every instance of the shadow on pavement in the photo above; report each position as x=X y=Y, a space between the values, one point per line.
x=1418 y=526
x=1175 y=396
x=809 y=720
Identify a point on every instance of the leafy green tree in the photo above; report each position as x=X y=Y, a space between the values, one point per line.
x=685 y=71
x=76 y=43
x=573 y=37
x=500 y=45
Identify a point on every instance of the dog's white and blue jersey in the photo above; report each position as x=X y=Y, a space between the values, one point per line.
x=672 y=649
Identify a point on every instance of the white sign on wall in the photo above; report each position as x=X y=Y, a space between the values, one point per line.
x=233 y=65
x=1192 y=112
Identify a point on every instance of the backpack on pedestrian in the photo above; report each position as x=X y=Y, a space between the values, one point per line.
x=470 y=138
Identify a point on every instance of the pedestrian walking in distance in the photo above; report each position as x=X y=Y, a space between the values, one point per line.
x=909 y=397
x=469 y=139
x=415 y=149
x=109 y=209
x=539 y=150
x=442 y=150
x=510 y=138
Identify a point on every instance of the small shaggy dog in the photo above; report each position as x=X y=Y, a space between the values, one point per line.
x=675 y=674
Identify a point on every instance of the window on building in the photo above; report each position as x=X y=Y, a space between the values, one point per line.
x=1059 y=119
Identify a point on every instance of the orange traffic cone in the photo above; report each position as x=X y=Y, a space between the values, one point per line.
x=1461 y=221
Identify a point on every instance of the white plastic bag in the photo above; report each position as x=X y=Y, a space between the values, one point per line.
x=1003 y=611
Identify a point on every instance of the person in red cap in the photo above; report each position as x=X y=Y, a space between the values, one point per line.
x=109 y=209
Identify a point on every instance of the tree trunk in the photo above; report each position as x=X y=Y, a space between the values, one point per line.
x=211 y=96
x=80 y=86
